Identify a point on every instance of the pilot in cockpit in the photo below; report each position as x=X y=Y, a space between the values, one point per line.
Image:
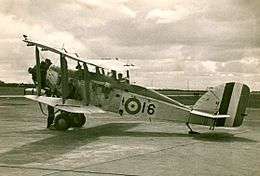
x=120 y=78
x=79 y=71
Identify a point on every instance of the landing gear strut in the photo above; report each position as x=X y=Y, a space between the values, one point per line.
x=191 y=131
x=51 y=116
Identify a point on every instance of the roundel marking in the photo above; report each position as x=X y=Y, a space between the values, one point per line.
x=132 y=106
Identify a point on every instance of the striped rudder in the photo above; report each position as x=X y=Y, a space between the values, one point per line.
x=226 y=99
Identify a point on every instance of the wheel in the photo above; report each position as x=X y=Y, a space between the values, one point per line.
x=62 y=122
x=77 y=120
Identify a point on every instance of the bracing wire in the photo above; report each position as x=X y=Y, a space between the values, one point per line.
x=44 y=113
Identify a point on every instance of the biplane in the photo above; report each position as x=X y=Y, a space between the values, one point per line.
x=72 y=95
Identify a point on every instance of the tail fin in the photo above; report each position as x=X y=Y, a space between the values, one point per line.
x=226 y=99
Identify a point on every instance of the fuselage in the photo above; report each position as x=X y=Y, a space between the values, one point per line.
x=107 y=97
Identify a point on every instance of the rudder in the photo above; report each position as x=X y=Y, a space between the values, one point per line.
x=237 y=105
x=226 y=99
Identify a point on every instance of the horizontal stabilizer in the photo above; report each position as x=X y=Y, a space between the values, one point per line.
x=70 y=105
x=207 y=115
x=205 y=118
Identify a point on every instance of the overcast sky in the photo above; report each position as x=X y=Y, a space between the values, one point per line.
x=175 y=43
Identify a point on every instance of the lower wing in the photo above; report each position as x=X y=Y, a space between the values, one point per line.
x=70 y=105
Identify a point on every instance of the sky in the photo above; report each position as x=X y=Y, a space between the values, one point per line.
x=182 y=44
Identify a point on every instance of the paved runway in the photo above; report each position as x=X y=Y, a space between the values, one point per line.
x=116 y=146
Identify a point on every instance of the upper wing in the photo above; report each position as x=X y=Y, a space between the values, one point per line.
x=106 y=63
x=110 y=63
x=70 y=105
x=48 y=48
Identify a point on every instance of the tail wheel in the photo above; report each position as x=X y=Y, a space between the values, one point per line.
x=62 y=122
x=78 y=120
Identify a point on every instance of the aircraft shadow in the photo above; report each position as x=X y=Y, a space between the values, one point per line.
x=64 y=142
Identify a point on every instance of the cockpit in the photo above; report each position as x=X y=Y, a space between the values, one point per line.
x=122 y=76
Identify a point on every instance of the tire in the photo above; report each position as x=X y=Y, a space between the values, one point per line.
x=62 y=122
x=77 y=120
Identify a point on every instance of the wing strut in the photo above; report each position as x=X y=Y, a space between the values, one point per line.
x=38 y=71
x=86 y=85
x=64 y=77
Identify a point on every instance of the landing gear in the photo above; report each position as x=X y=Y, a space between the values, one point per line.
x=51 y=116
x=62 y=122
x=77 y=120
x=191 y=131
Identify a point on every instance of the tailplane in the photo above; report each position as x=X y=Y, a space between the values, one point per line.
x=226 y=99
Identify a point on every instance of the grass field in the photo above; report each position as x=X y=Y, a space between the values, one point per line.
x=110 y=145
x=193 y=96
x=11 y=90
x=182 y=97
